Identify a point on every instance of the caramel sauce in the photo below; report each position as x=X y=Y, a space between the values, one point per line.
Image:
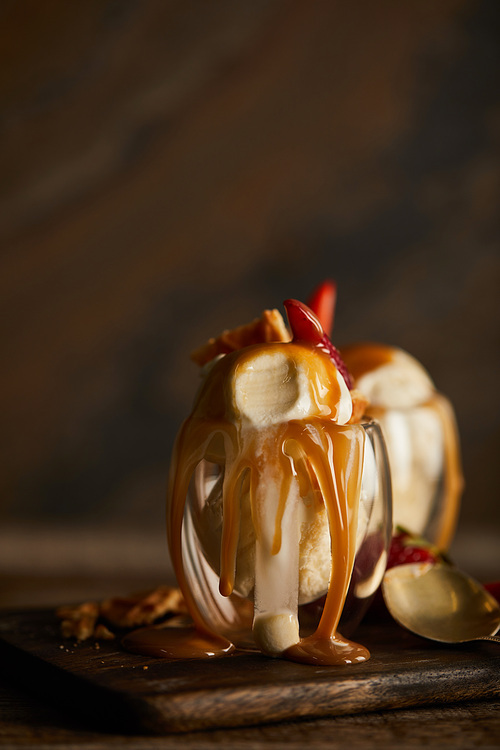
x=313 y=452
x=176 y=643
x=363 y=358
x=339 y=489
x=453 y=477
x=326 y=651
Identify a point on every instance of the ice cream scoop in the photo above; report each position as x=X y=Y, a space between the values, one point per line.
x=267 y=390
x=420 y=431
x=273 y=474
x=269 y=416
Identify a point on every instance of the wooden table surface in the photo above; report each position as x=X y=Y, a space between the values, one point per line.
x=27 y=721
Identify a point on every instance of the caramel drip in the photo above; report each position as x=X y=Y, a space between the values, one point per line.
x=336 y=456
x=176 y=643
x=363 y=358
x=233 y=479
x=286 y=479
x=313 y=452
x=327 y=651
x=192 y=445
x=453 y=477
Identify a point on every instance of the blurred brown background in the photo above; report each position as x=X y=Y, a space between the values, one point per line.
x=170 y=168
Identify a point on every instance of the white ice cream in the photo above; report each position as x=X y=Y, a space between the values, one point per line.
x=273 y=388
x=265 y=391
x=400 y=383
x=400 y=394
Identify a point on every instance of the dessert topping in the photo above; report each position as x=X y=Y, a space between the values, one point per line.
x=322 y=302
x=269 y=328
x=306 y=327
x=406 y=548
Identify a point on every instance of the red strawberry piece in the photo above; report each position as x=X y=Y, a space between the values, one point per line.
x=406 y=548
x=322 y=302
x=306 y=327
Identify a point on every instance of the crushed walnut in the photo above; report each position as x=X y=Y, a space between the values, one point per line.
x=78 y=621
x=143 y=609
x=359 y=406
x=96 y=619
x=269 y=328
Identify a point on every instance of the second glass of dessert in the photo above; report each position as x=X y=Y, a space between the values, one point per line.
x=420 y=431
x=419 y=428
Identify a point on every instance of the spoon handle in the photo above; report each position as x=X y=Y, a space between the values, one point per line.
x=494 y=638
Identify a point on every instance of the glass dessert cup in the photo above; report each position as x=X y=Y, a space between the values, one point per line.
x=233 y=616
x=424 y=455
x=421 y=435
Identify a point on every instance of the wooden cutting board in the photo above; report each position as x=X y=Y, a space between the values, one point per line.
x=130 y=692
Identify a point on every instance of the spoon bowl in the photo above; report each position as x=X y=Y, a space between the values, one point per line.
x=441 y=603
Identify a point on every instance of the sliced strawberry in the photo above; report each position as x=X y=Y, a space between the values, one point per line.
x=322 y=302
x=409 y=554
x=306 y=326
x=406 y=548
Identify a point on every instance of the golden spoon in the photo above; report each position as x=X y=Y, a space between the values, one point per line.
x=440 y=602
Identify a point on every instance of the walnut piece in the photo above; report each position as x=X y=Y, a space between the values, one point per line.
x=359 y=406
x=144 y=608
x=269 y=328
x=103 y=633
x=91 y=619
x=78 y=621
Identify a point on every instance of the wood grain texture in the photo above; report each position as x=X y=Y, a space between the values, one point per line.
x=129 y=692
x=28 y=720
